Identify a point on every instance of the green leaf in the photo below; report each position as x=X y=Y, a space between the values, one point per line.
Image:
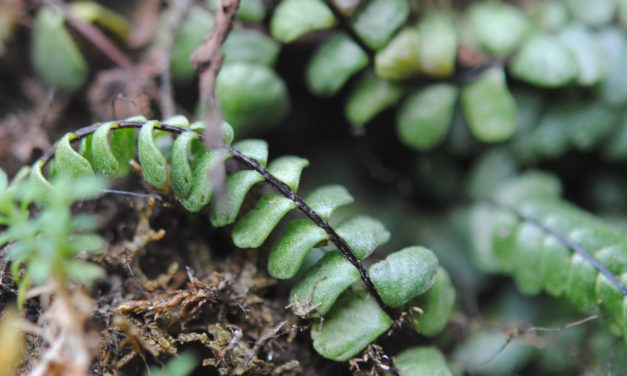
x=363 y=235
x=400 y=59
x=555 y=266
x=426 y=115
x=103 y=159
x=572 y=123
x=197 y=23
x=355 y=322
x=70 y=162
x=153 y=163
x=590 y=55
x=498 y=28
x=593 y=13
x=256 y=150
x=438 y=45
x=370 y=96
x=123 y=146
x=421 y=361
x=181 y=172
x=295 y=18
x=250 y=46
x=54 y=55
x=252 y=97
x=489 y=107
x=325 y=200
x=324 y=283
x=289 y=252
x=253 y=11
x=437 y=304
x=613 y=89
x=202 y=188
x=545 y=61
x=376 y=21
x=333 y=63
x=404 y=274
x=255 y=227
x=288 y=170
x=224 y=212
x=551 y=15
x=616 y=146
x=527 y=258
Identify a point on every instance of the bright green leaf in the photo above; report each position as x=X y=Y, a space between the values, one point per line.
x=590 y=55
x=437 y=45
x=252 y=97
x=400 y=59
x=593 y=13
x=376 y=21
x=425 y=117
x=324 y=283
x=489 y=107
x=295 y=18
x=545 y=61
x=250 y=46
x=355 y=322
x=333 y=63
x=421 y=361
x=498 y=28
x=404 y=274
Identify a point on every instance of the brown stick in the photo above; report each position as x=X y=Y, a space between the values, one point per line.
x=166 y=97
x=208 y=59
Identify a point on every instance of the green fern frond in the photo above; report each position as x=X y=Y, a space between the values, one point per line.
x=548 y=244
x=353 y=319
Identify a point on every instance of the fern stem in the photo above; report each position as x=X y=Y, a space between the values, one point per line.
x=567 y=243
x=341 y=245
x=345 y=25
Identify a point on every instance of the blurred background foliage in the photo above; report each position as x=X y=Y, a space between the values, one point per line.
x=417 y=107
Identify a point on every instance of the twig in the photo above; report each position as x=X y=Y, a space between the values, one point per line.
x=272 y=333
x=341 y=245
x=180 y=8
x=95 y=36
x=208 y=59
x=517 y=333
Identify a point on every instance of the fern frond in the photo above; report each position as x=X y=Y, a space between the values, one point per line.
x=352 y=319
x=549 y=244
